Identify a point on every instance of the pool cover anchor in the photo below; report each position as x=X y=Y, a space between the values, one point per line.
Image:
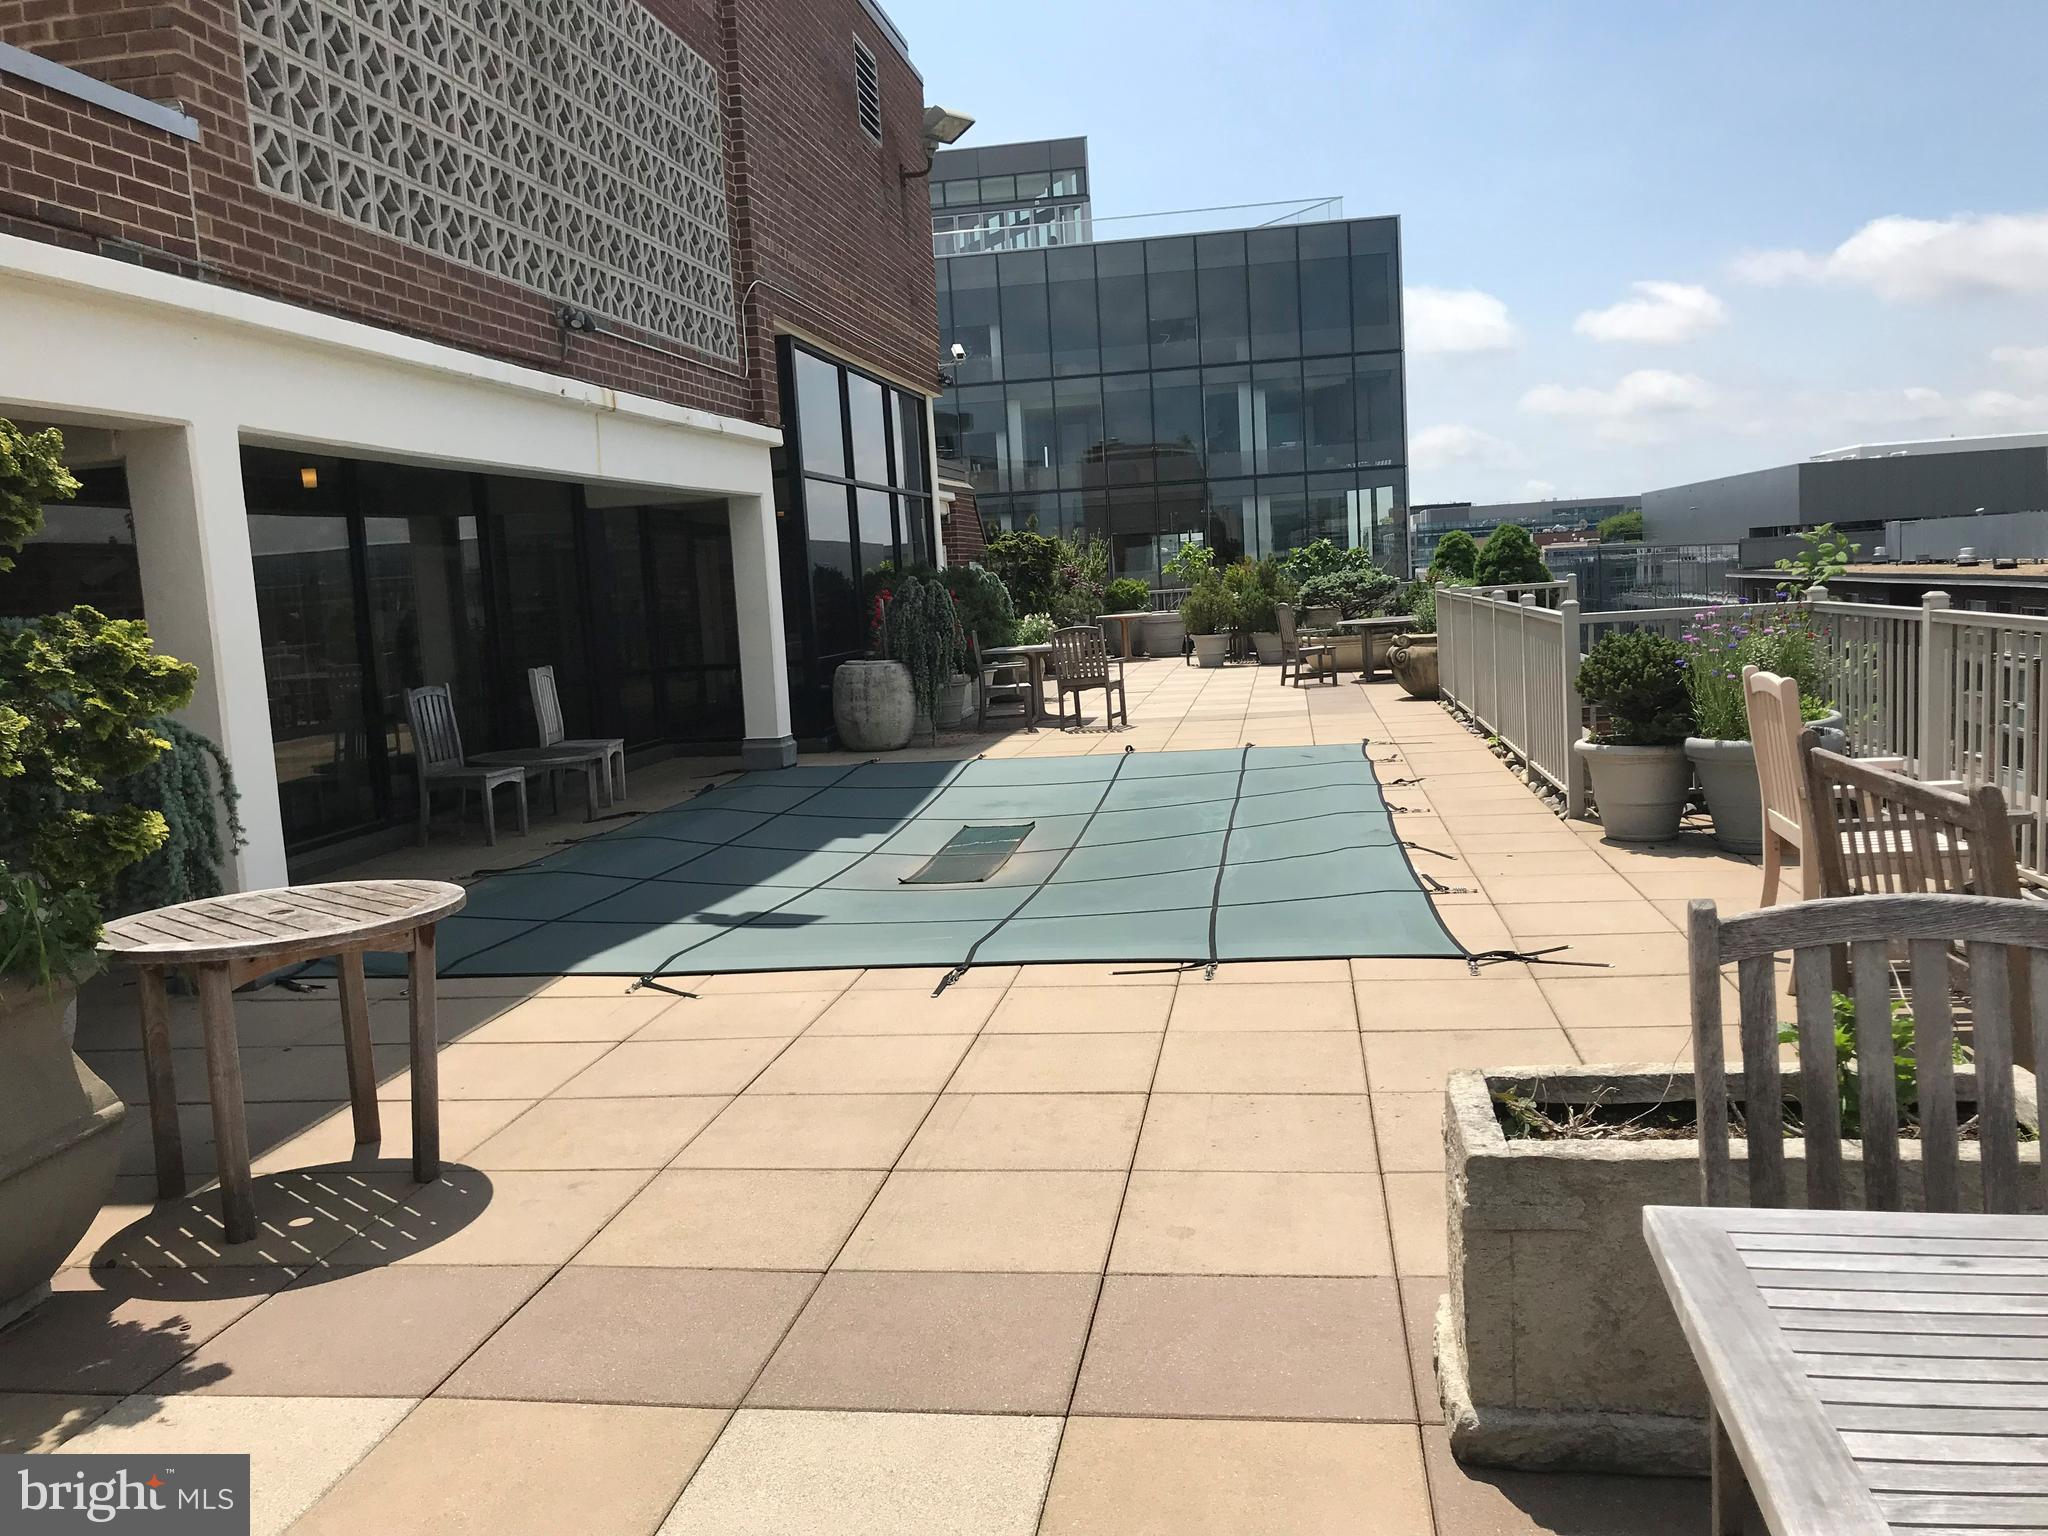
x=1530 y=957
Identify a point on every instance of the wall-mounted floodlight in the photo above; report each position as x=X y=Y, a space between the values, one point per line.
x=942 y=126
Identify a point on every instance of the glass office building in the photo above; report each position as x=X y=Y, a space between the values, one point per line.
x=1242 y=388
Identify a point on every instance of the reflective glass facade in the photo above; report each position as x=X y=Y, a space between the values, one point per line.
x=1244 y=388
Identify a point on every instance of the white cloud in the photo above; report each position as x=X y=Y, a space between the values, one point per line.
x=1537 y=490
x=1646 y=392
x=2027 y=362
x=1456 y=320
x=1660 y=314
x=1904 y=259
x=2008 y=409
x=1458 y=444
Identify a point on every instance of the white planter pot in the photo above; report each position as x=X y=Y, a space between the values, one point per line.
x=873 y=708
x=1640 y=790
x=1211 y=649
x=1164 y=633
x=1727 y=773
x=1268 y=648
x=956 y=702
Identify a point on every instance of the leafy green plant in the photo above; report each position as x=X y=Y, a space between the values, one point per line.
x=1187 y=563
x=46 y=938
x=1126 y=594
x=1035 y=629
x=1848 y=1083
x=917 y=625
x=1355 y=590
x=1456 y=555
x=194 y=789
x=1318 y=557
x=1823 y=555
x=983 y=603
x=1028 y=565
x=1208 y=609
x=1623 y=527
x=32 y=474
x=1509 y=558
x=1636 y=680
x=1251 y=605
x=1418 y=598
x=1079 y=580
x=1720 y=642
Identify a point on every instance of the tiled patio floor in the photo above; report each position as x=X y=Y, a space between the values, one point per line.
x=1066 y=1249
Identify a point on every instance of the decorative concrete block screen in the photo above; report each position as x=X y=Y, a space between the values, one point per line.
x=571 y=146
x=1241 y=854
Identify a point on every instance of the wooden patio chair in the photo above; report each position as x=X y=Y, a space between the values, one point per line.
x=1772 y=703
x=1001 y=680
x=1295 y=651
x=1080 y=662
x=547 y=715
x=438 y=759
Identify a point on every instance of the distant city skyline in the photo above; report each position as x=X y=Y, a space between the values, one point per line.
x=1643 y=245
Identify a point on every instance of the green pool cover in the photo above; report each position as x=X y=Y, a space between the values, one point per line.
x=1258 y=853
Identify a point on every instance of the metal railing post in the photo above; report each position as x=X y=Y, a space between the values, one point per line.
x=1574 y=765
x=1936 y=749
x=1528 y=742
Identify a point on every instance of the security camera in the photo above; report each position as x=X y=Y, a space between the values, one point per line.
x=959 y=353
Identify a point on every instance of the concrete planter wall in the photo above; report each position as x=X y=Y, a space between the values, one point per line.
x=873 y=708
x=1640 y=790
x=60 y=1142
x=1555 y=1345
x=1164 y=633
x=1211 y=650
x=1348 y=647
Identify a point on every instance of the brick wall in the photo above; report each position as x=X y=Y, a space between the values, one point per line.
x=966 y=538
x=818 y=211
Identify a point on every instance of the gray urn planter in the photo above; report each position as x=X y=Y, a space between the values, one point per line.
x=60 y=1141
x=1555 y=1344
x=1727 y=775
x=956 y=703
x=1640 y=790
x=1268 y=649
x=1164 y=633
x=1210 y=650
x=873 y=708
x=1412 y=659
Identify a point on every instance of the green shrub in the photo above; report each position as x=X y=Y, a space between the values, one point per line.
x=1126 y=594
x=194 y=789
x=983 y=603
x=32 y=474
x=1720 y=642
x=1456 y=555
x=917 y=625
x=1848 y=1082
x=1319 y=557
x=1251 y=605
x=1208 y=608
x=1637 y=680
x=1823 y=555
x=1079 y=580
x=1356 y=589
x=1187 y=563
x=1623 y=527
x=1028 y=565
x=1509 y=558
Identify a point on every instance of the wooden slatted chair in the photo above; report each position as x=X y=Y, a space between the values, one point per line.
x=1081 y=662
x=547 y=715
x=1772 y=703
x=1296 y=652
x=1001 y=680
x=438 y=760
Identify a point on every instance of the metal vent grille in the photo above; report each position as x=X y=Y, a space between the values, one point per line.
x=867 y=87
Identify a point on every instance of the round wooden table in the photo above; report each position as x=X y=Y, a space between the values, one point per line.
x=1123 y=622
x=223 y=942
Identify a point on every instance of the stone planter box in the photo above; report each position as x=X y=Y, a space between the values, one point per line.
x=1350 y=649
x=873 y=709
x=1555 y=1345
x=1164 y=633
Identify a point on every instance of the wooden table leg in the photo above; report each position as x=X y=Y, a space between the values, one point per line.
x=163 y=1084
x=355 y=1041
x=426 y=1064
x=224 y=1087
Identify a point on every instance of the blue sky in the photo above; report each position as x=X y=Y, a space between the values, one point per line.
x=1841 y=208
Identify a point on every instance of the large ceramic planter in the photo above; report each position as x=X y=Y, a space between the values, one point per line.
x=956 y=703
x=1727 y=775
x=1640 y=790
x=1379 y=642
x=1164 y=633
x=60 y=1141
x=1555 y=1345
x=873 y=708
x=1268 y=649
x=1412 y=659
x=1210 y=650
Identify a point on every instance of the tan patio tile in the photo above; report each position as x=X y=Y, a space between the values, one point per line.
x=1420 y=1297
x=390 y=1331
x=738 y=1016
x=1041 y=1222
x=298 y=1447
x=772 y=981
x=93 y=1341
x=1452 y=969
x=1519 y=838
x=934 y=1342
x=1224 y=1477
x=1307 y=1061
x=1290 y=971
x=571 y=1018
x=1420 y=1060
x=1661 y=1044
x=32 y=1422
x=1559 y=862
x=818 y=1130
x=1252 y=1224
x=1523 y=890
x=1592 y=1001
x=301 y=1216
x=1479 y=929
x=1485 y=1001
x=1410 y=1130
x=1726 y=883
x=1675 y=912
x=1058 y=1064
x=781 y=1472
x=331 y=1142
x=1087 y=975
x=1081 y=1010
x=1611 y=954
x=1415 y=1211
x=598 y=1133
x=654 y=1068
x=668 y=1337
x=1271 y=1005
x=1482 y=1501
x=501 y=1071
x=923 y=978
x=469 y=1217
x=1258 y=1132
x=1569 y=917
x=864 y=1064
x=1230 y=1346
x=1028 y=1130
x=458 y=1467
x=715 y=1218
x=957 y=1011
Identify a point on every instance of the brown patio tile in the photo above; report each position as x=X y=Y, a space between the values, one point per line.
x=1410 y=1130
x=41 y=1421
x=852 y=1064
x=1421 y=1295
x=816 y=1130
x=640 y=1068
x=1263 y=1006
x=1028 y=1130
x=670 y=1337
x=86 y=1340
x=1302 y=1061
x=570 y=1018
x=1081 y=1010
x=1734 y=887
x=1058 y=1064
x=1221 y=1477
x=1518 y=838
x=1485 y=1001
x=1252 y=1224
x=1561 y=861
x=1034 y=1222
x=598 y=1133
x=1252 y=1132
x=738 y=1016
x=1570 y=917
x=471 y=1217
x=1415 y=1211
x=1484 y=1501
x=1227 y=1346
x=956 y=1011
x=1421 y=1060
x=457 y=1467
x=392 y=1331
x=934 y=1341
x=715 y=1218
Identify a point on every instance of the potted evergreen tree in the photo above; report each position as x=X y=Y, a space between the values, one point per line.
x=1636 y=756
x=1209 y=615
